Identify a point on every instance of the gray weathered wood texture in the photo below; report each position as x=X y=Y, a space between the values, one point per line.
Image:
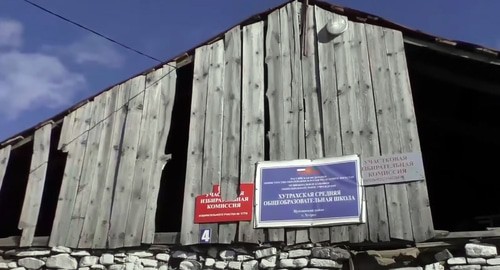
x=125 y=173
x=36 y=182
x=115 y=128
x=230 y=166
x=192 y=187
x=418 y=198
x=316 y=94
x=75 y=145
x=330 y=107
x=98 y=189
x=87 y=178
x=387 y=115
x=252 y=116
x=212 y=146
x=275 y=96
x=4 y=161
x=165 y=95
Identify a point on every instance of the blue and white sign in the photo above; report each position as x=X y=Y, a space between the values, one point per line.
x=303 y=193
x=205 y=235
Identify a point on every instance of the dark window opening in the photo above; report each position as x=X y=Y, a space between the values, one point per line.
x=53 y=181
x=171 y=193
x=13 y=189
x=457 y=103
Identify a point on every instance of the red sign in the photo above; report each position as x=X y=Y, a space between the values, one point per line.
x=210 y=208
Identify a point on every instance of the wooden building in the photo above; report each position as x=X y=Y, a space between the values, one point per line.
x=123 y=167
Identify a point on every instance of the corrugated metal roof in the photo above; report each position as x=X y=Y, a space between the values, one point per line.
x=352 y=14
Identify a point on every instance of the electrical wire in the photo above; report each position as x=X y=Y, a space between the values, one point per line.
x=92 y=31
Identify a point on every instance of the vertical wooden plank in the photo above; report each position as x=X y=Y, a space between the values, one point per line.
x=4 y=161
x=144 y=161
x=65 y=130
x=101 y=165
x=274 y=94
x=294 y=10
x=36 y=182
x=357 y=112
x=88 y=168
x=252 y=115
x=388 y=134
x=192 y=187
x=125 y=174
x=289 y=123
x=329 y=103
x=166 y=96
x=113 y=161
x=75 y=146
x=418 y=198
x=231 y=127
x=212 y=146
x=313 y=131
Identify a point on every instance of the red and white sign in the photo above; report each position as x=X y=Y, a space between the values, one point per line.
x=210 y=208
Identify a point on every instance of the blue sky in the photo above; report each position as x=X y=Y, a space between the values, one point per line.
x=47 y=65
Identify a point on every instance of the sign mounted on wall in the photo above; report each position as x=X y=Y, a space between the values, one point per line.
x=210 y=208
x=396 y=168
x=303 y=193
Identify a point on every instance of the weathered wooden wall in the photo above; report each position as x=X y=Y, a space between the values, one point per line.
x=115 y=147
x=324 y=96
x=278 y=89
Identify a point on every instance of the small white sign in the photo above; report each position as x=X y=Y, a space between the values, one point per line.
x=205 y=235
x=396 y=168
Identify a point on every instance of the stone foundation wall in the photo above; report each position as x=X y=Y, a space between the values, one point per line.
x=250 y=257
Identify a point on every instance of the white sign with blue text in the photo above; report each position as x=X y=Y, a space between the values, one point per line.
x=302 y=193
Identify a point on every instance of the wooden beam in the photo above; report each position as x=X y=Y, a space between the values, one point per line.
x=467 y=234
x=167 y=238
x=13 y=241
x=162 y=238
x=36 y=182
x=490 y=59
x=4 y=161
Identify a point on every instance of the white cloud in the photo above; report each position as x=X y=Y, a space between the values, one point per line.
x=32 y=80
x=91 y=50
x=10 y=33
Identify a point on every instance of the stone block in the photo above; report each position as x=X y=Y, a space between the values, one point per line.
x=456 y=261
x=480 y=250
x=88 y=261
x=267 y=252
x=298 y=253
x=268 y=262
x=61 y=261
x=31 y=263
x=325 y=263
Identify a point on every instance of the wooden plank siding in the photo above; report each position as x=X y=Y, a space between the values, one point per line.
x=36 y=181
x=95 y=202
x=212 y=145
x=166 y=96
x=282 y=88
x=276 y=103
x=4 y=161
x=87 y=178
x=75 y=145
x=230 y=166
x=192 y=186
x=252 y=116
x=115 y=146
x=322 y=100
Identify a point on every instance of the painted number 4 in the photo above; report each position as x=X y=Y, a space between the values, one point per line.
x=206 y=234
